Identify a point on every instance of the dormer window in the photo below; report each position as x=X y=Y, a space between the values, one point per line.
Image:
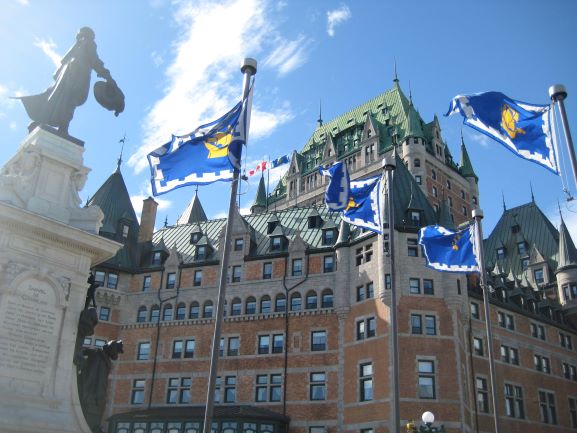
x=415 y=218
x=125 y=230
x=195 y=237
x=200 y=252
x=276 y=243
x=538 y=275
x=156 y=258
x=500 y=253
x=271 y=226
x=239 y=244
x=314 y=221
x=329 y=236
x=525 y=262
x=515 y=229
x=522 y=248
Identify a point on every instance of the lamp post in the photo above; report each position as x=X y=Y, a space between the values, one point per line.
x=428 y=420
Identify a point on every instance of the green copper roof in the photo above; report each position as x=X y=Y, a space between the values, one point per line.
x=260 y=199
x=466 y=168
x=567 y=251
x=193 y=213
x=114 y=201
x=517 y=231
x=444 y=216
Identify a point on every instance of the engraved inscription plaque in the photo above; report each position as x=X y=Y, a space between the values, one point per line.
x=29 y=322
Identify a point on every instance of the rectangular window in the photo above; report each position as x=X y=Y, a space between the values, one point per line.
x=475 y=314
x=370 y=290
x=514 y=401
x=565 y=341
x=416 y=324
x=277 y=343
x=238 y=244
x=430 y=325
x=268 y=387
x=414 y=286
x=387 y=281
x=172 y=392
x=371 y=327
x=143 y=351
x=361 y=294
x=522 y=248
x=318 y=386
x=413 y=246
x=482 y=395
x=156 y=258
x=538 y=275
x=548 y=412
x=267 y=271
x=104 y=314
x=233 y=346
x=263 y=344
x=297 y=269
x=542 y=363
x=197 y=278
x=146 y=283
x=177 y=347
x=328 y=264
x=426 y=370
x=573 y=411
x=137 y=395
x=236 y=274
x=500 y=253
x=171 y=280
x=112 y=281
x=230 y=389
x=189 y=348
x=366 y=381
x=318 y=340
x=99 y=277
x=428 y=287
x=360 y=330
x=478 y=346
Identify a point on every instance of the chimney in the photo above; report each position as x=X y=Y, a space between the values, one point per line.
x=147 y=220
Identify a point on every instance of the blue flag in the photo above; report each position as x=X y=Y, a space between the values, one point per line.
x=524 y=129
x=359 y=201
x=208 y=154
x=279 y=161
x=337 y=193
x=449 y=251
x=364 y=206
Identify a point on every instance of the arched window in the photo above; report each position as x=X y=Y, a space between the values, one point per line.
x=265 y=304
x=194 y=311
x=327 y=299
x=181 y=311
x=141 y=316
x=250 y=307
x=207 y=310
x=280 y=303
x=236 y=307
x=167 y=313
x=311 y=300
x=154 y=313
x=296 y=301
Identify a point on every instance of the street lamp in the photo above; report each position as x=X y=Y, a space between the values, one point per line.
x=428 y=420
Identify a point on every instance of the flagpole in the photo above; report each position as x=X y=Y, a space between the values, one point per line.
x=248 y=68
x=267 y=181
x=558 y=93
x=395 y=422
x=478 y=216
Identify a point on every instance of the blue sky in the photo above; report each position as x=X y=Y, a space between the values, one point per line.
x=178 y=65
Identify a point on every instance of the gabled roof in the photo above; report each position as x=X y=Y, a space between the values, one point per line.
x=532 y=227
x=193 y=213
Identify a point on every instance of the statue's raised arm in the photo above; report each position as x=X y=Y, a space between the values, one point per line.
x=55 y=106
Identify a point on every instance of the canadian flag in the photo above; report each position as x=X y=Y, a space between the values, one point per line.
x=260 y=167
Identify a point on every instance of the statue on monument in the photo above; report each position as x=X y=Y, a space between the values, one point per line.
x=55 y=106
x=93 y=381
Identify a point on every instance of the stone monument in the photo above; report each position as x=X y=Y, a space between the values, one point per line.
x=48 y=244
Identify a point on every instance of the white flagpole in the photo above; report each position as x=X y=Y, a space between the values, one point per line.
x=558 y=93
x=389 y=164
x=248 y=68
x=478 y=216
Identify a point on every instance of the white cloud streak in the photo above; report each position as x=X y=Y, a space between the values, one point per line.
x=289 y=55
x=202 y=79
x=336 y=17
x=48 y=47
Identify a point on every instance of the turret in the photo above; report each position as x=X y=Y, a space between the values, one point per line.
x=259 y=205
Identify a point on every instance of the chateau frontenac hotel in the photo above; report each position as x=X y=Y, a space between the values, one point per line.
x=305 y=337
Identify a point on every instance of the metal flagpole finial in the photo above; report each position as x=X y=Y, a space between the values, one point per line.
x=557 y=92
x=248 y=65
x=478 y=213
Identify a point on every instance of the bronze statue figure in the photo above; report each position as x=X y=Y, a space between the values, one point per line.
x=55 y=107
x=93 y=381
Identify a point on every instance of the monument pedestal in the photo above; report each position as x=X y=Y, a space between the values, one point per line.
x=47 y=246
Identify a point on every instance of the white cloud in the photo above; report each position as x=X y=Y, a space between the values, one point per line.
x=336 y=17
x=23 y=2
x=157 y=59
x=289 y=55
x=481 y=139
x=203 y=78
x=48 y=47
x=143 y=194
